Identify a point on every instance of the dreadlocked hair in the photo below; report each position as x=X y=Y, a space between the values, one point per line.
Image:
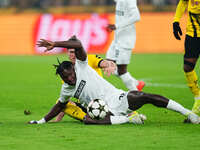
x=62 y=66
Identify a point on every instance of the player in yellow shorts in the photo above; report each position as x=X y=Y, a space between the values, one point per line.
x=192 y=45
x=75 y=109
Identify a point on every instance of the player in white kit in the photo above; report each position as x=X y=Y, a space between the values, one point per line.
x=120 y=50
x=82 y=82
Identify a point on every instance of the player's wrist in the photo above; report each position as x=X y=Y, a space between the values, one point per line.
x=53 y=44
x=176 y=26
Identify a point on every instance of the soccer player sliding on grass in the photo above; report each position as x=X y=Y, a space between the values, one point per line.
x=82 y=82
x=74 y=109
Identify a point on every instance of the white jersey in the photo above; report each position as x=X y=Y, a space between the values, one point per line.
x=89 y=85
x=126 y=15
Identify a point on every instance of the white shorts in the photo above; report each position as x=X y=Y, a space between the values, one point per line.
x=120 y=55
x=118 y=103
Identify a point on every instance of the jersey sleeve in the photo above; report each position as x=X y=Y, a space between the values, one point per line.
x=132 y=14
x=94 y=60
x=65 y=94
x=180 y=9
x=81 y=63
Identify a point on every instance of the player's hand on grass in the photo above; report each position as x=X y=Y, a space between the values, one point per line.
x=177 y=30
x=33 y=122
x=111 y=27
x=49 y=45
x=37 y=122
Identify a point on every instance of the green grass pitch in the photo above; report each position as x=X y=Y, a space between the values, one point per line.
x=29 y=82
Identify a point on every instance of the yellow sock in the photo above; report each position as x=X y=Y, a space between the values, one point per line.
x=191 y=78
x=74 y=111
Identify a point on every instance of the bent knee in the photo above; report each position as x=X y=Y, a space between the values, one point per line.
x=136 y=93
x=188 y=68
x=189 y=65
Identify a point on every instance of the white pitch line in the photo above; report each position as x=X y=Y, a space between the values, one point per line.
x=149 y=83
x=166 y=85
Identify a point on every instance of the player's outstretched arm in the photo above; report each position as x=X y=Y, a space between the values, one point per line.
x=59 y=117
x=57 y=108
x=73 y=42
x=49 y=45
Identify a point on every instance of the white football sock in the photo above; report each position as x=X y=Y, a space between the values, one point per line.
x=172 y=105
x=129 y=81
x=118 y=119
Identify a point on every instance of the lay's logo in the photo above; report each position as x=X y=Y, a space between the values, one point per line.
x=89 y=28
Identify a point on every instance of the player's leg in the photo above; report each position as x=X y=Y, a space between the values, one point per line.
x=190 y=58
x=72 y=109
x=137 y=99
x=192 y=82
x=122 y=60
x=75 y=110
x=130 y=82
x=126 y=77
x=118 y=106
x=112 y=119
x=59 y=117
x=109 y=119
x=110 y=54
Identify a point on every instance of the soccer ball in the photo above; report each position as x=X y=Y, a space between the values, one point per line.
x=97 y=109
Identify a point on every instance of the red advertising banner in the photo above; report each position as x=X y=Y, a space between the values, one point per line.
x=89 y=28
x=20 y=32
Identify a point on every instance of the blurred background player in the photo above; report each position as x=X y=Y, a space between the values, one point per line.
x=192 y=45
x=120 y=50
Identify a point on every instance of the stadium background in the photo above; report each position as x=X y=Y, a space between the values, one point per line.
x=24 y=22
x=28 y=80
